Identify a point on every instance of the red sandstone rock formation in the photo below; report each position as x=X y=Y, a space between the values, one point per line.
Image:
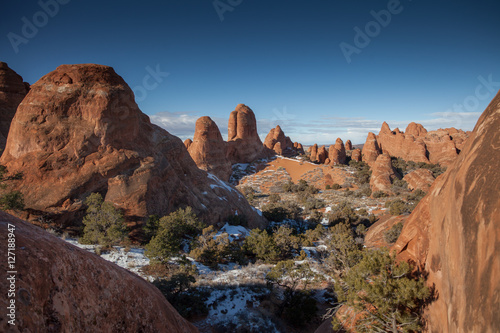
x=454 y=234
x=371 y=149
x=418 y=145
x=398 y=144
x=79 y=131
x=299 y=148
x=322 y=155
x=187 y=143
x=61 y=288
x=382 y=174
x=340 y=154
x=286 y=146
x=208 y=149
x=12 y=92
x=313 y=150
x=356 y=155
x=421 y=179
x=348 y=145
x=244 y=145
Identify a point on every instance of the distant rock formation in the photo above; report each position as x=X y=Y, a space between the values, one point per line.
x=286 y=147
x=61 y=288
x=382 y=174
x=313 y=153
x=244 y=144
x=453 y=234
x=80 y=131
x=356 y=155
x=421 y=179
x=371 y=149
x=348 y=145
x=416 y=144
x=322 y=155
x=208 y=149
x=337 y=153
x=12 y=92
x=187 y=143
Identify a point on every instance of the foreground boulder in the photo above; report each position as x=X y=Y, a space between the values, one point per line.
x=80 y=131
x=61 y=288
x=420 y=179
x=12 y=92
x=208 y=149
x=454 y=235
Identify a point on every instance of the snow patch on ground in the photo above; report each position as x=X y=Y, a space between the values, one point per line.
x=235 y=232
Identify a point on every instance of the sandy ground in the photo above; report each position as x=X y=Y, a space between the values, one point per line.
x=284 y=169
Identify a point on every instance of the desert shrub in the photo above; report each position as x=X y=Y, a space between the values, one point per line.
x=274 y=198
x=104 y=224
x=151 y=227
x=188 y=301
x=336 y=186
x=301 y=186
x=383 y=293
x=364 y=190
x=362 y=212
x=415 y=196
x=211 y=250
x=399 y=165
x=343 y=212
x=399 y=207
x=260 y=245
x=391 y=235
x=280 y=211
x=400 y=183
x=173 y=230
x=286 y=243
x=297 y=306
x=313 y=235
x=363 y=172
x=328 y=187
x=12 y=201
x=344 y=252
x=348 y=193
x=315 y=217
x=379 y=194
x=361 y=230
x=237 y=219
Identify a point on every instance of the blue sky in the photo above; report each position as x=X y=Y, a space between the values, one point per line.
x=434 y=62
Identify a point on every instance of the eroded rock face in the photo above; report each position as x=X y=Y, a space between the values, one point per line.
x=382 y=174
x=371 y=149
x=416 y=144
x=12 y=92
x=356 y=155
x=454 y=235
x=348 y=145
x=187 y=143
x=286 y=147
x=208 y=149
x=313 y=151
x=61 y=288
x=421 y=179
x=322 y=155
x=244 y=145
x=338 y=151
x=80 y=131
x=398 y=144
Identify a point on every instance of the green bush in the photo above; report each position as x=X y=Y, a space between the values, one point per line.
x=237 y=220
x=399 y=207
x=151 y=227
x=379 y=194
x=343 y=212
x=391 y=235
x=173 y=230
x=104 y=224
x=280 y=211
x=12 y=201
x=286 y=243
x=336 y=186
x=261 y=245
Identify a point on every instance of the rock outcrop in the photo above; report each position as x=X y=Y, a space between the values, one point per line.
x=313 y=153
x=12 y=92
x=348 y=145
x=421 y=179
x=382 y=174
x=454 y=235
x=356 y=155
x=80 y=131
x=244 y=144
x=208 y=149
x=416 y=144
x=61 y=288
x=371 y=149
x=337 y=153
x=187 y=143
x=281 y=144
x=322 y=155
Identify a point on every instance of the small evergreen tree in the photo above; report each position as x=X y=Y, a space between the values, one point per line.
x=104 y=224
x=173 y=229
x=12 y=201
x=261 y=245
x=383 y=293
